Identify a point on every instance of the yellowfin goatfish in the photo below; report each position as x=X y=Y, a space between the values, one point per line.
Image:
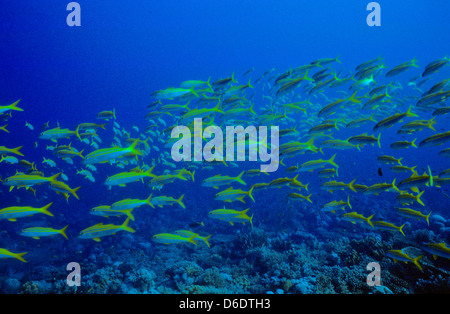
x=14 y=212
x=219 y=180
x=411 y=213
x=188 y=234
x=6 y=150
x=231 y=195
x=381 y=187
x=231 y=215
x=354 y=217
x=297 y=196
x=106 y=211
x=172 y=92
x=167 y=200
x=61 y=187
x=383 y=225
x=58 y=133
x=408 y=198
x=100 y=230
x=315 y=164
x=105 y=154
x=13 y=106
x=385 y=159
x=398 y=255
x=437 y=139
x=415 y=181
x=132 y=203
x=38 y=232
x=169 y=238
x=438 y=249
x=21 y=179
x=331 y=186
x=403 y=144
x=390 y=121
x=334 y=205
x=4 y=253
x=364 y=139
x=123 y=178
x=107 y=115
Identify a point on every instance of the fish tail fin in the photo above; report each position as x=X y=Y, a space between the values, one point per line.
x=125 y=226
x=427 y=218
x=413 y=143
x=208 y=82
x=249 y=83
x=308 y=198
x=180 y=176
x=250 y=194
x=193 y=91
x=192 y=175
x=394 y=186
x=306 y=77
x=409 y=113
x=430 y=175
x=239 y=178
x=102 y=126
x=44 y=210
x=251 y=109
x=81 y=154
x=54 y=177
x=4 y=128
x=306 y=187
x=114 y=113
x=63 y=232
x=232 y=78
x=418 y=198
x=353 y=98
x=217 y=107
x=77 y=132
x=251 y=220
x=351 y=187
x=180 y=201
x=348 y=202
x=431 y=122
x=19 y=256
x=331 y=161
x=14 y=106
x=16 y=151
x=205 y=239
x=74 y=192
x=414 y=63
x=128 y=212
x=369 y=221
x=401 y=230
x=149 y=200
x=132 y=148
x=191 y=239
x=416 y=262
x=149 y=172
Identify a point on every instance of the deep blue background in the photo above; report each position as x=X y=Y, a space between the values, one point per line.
x=124 y=51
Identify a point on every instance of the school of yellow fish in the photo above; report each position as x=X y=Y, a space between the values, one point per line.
x=312 y=104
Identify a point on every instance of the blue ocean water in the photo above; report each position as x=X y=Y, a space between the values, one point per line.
x=123 y=53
